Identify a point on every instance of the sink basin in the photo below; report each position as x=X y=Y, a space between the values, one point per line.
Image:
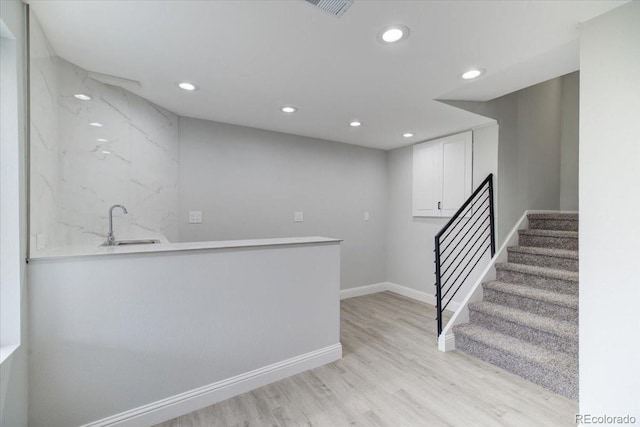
x=136 y=242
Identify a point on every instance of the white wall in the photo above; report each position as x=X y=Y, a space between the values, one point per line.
x=410 y=239
x=14 y=370
x=609 y=205
x=248 y=183
x=113 y=333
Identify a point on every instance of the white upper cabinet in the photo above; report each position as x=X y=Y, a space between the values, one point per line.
x=427 y=179
x=442 y=175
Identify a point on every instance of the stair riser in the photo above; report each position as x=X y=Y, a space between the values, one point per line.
x=548 y=242
x=533 y=306
x=565 y=385
x=553 y=224
x=559 y=285
x=544 y=261
x=525 y=333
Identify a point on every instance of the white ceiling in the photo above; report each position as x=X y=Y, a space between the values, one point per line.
x=251 y=57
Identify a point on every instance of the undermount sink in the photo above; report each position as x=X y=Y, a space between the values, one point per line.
x=136 y=242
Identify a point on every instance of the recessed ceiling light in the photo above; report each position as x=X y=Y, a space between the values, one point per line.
x=289 y=109
x=408 y=134
x=355 y=123
x=106 y=152
x=82 y=97
x=473 y=74
x=102 y=140
x=393 y=34
x=96 y=124
x=189 y=87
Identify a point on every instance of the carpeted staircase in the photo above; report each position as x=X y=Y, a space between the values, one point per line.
x=527 y=323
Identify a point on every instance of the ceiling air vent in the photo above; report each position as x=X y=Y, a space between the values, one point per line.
x=334 y=7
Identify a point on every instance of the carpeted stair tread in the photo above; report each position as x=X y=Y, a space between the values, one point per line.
x=562 y=363
x=549 y=237
x=567 y=330
x=551 y=273
x=543 y=295
x=551 y=252
x=527 y=321
x=553 y=221
x=554 y=215
x=550 y=233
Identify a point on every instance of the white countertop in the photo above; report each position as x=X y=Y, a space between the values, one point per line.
x=76 y=251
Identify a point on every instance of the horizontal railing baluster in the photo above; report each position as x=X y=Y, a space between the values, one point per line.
x=477 y=214
x=465 y=278
x=473 y=256
x=446 y=266
x=480 y=238
x=463 y=215
x=456 y=232
x=482 y=199
x=465 y=234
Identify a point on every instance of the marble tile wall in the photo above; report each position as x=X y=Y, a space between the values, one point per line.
x=132 y=160
x=44 y=140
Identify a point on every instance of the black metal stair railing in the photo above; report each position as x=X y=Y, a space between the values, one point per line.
x=461 y=244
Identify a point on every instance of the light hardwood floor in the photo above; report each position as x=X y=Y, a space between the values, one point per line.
x=391 y=374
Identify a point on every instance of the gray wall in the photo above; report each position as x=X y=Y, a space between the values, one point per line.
x=569 y=142
x=114 y=333
x=538 y=147
x=13 y=372
x=536 y=169
x=610 y=177
x=410 y=239
x=248 y=182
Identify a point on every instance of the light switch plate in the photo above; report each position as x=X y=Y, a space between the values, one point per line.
x=366 y=216
x=298 y=216
x=195 y=217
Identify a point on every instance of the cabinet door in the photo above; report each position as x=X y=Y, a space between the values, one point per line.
x=456 y=172
x=427 y=179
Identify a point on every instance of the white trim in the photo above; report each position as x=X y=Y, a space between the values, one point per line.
x=364 y=290
x=183 y=403
x=6 y=351
x=493 y=122
x=448 y=341
x=397 y=289
x=412 y=293
x=475 y=294
x=541 y=211
x=419 y=295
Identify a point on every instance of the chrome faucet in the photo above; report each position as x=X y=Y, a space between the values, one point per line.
x=111 y=240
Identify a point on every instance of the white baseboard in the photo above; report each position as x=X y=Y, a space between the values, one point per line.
x=183 y=403
x=412 y=293
x=446 y=342
x=364 y=290
x=396 y=289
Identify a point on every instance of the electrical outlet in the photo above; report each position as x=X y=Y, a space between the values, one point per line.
x=298 y=216
x=366 y=216
x=195 y=217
